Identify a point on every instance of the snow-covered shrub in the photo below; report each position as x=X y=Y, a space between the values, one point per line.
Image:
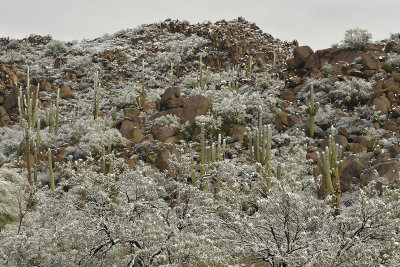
x=187 y=46
x=83 y=67
x=11 y=194
x=265 y=81
x=351 y=93
x=12 y=57
x=164 y=60
x=94 y=135
x=355 y=39
x=55 y=48
x=127 y=96
x=322 y=87
x=10 y=140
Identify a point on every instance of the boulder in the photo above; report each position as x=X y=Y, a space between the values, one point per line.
x=162 y=133
x=339 y=139
x=137 y=135
x=65 y=92
x=127 y=128
x=281 y=121
x=387 y=170
x=288 y=95
x=351 y=168
x=370 y=62
x=194 y=106
x=162 y=158
x=170 y=94
x=381 y=104
x=131 y=112
x=300 y=56
x=331 y=56
x=11 y=100
x=391 y=126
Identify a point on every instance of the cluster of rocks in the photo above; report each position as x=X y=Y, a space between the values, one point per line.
x=364 y=160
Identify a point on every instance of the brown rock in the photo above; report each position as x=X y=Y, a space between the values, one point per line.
x=351 y=168
x=370 y=62
x=381 y=104
x=343 y=131
x=238 y=132
x=394 y=150
x=294 y=81
x=369 y=144
x=1 y=99
x=391 y=126
x=393 y=89
x=194 y=106
x=127 y=128
x=388 y=170
x=11 y=100
x=389 y=83
x=396 y=77
x=389 y=46
x=169 y=94
x=5 y=121
x=176 y=103
x=395 y=112
x=300 y=55
x=339 y=139
x=161 y=161
x=137 y=135
x=357 y=148
x=331 y=56
x=65 y=92
x=162 y=133
x=288 y=95
x=292 y=120
x=7 y=75
x=2 y=111
x=131 y=112
x=145 y=104
x=46 y=87
x=281 y=121
x=59 y=62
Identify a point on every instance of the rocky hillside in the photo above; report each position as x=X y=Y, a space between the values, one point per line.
x=177 y=104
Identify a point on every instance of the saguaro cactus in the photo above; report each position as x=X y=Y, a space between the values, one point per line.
x=96 y=104
x=330 y=163
x=52 y=183
x=312 y=109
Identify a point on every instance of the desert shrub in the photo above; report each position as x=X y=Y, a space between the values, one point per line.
x=13 y=58
x=187 y=47
x=351 y=93
x=355 y=39
x=392 y=63
x=55 y=48
x=163 y=61
x=11 y=193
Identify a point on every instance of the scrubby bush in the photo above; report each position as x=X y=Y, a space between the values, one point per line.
x=351 y=93
x=355 y=39
x=11 y=195
x=55 y=48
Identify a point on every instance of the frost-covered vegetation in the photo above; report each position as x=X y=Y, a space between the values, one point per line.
x=117 y=177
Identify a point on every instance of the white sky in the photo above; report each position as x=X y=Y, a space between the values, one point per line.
x=318 y=24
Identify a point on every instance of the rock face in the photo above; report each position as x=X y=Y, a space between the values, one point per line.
x=331 y=56
x=11 y=100
x=301 y=55
x=370 y=62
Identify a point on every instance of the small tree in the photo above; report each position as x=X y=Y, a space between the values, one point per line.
x=355 y=39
